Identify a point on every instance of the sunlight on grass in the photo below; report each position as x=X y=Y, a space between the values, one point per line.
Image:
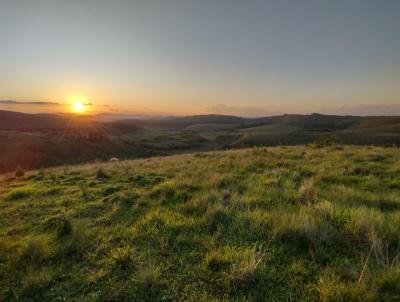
x=301 y=223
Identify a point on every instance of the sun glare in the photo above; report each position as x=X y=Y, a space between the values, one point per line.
x=79 y=105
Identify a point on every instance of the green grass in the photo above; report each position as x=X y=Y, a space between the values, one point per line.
x=262 y=224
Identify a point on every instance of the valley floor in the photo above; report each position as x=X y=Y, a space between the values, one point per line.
x=262 y=224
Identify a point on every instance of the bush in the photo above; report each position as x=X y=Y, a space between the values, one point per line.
x=19 y=172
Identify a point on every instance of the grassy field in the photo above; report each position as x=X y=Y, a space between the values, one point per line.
x=262 y=224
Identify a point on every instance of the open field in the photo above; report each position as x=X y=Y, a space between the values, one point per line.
x=262 y=224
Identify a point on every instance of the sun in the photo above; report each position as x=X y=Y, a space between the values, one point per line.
x=79 y=105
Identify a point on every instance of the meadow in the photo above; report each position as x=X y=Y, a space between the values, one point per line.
x=304 y=223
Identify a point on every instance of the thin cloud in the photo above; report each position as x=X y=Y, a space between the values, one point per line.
x=11 y=102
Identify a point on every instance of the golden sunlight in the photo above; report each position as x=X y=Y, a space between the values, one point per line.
x=78 y=105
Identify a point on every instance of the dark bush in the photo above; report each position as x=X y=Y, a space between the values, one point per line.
x=19 y=172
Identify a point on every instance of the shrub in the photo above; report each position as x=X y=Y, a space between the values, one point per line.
x=19 y=172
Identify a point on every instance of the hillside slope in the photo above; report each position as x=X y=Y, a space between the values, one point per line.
x=262 y=224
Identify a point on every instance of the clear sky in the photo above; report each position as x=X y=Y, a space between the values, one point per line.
x=185 y=56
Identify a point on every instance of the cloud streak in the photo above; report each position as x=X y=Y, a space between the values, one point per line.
x=11 y=102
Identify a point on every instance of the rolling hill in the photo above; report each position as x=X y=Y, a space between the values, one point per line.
x=262 y=224
x=33 y=141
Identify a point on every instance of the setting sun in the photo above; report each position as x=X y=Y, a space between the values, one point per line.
x=79 y=107
x=79 y=104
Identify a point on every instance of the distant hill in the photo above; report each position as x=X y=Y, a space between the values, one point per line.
x=183 y=122
x=41 y=140
x=71 y=124
x=22 y=121
x=319 y=122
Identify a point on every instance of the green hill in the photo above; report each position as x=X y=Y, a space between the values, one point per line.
x=35 y=141
x=262 y=224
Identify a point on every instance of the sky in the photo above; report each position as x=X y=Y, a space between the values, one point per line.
x=180 y=57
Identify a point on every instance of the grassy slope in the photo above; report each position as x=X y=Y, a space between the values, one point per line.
x=276 y=224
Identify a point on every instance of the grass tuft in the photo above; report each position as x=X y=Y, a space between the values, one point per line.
x=36 y=282
x=243 y=274
x=76 y=245
x=148 y=275
x=308 y=192
x=123 y=258
x=35 y=252
x=65 y=228
x=101 y=174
